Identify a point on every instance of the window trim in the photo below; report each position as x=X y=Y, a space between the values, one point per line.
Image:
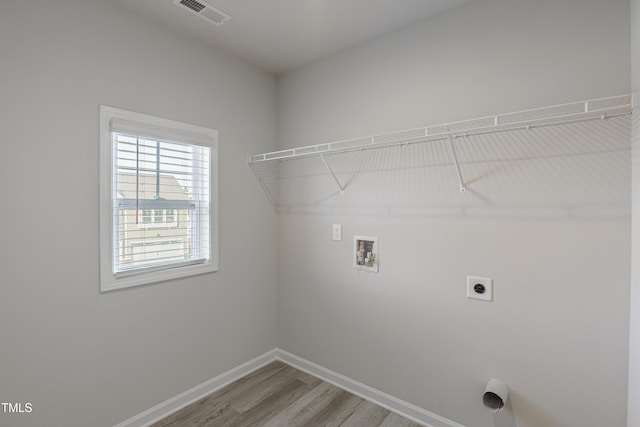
x=155 y=127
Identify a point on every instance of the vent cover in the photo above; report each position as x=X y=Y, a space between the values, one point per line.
x=204 y=11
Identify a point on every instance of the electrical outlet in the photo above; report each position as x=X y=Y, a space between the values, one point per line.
x=337 y=232
x=480 y=288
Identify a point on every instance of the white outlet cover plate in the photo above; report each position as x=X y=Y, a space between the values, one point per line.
x=337 y=232
x=487 y=295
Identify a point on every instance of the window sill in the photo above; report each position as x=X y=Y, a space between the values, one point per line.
x=109 y=282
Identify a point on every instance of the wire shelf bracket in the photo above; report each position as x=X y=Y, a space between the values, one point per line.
x=264 y=186
x=454 y=154
x=335 y=178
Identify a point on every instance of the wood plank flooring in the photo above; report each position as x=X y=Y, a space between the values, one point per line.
x=278 y=395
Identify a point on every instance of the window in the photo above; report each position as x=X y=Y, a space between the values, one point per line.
x=158 y=201
x=161 y=218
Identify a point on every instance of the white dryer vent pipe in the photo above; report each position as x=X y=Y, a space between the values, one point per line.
x=495 y=396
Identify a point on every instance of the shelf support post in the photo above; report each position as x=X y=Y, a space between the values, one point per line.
x=335 y=178
x=463 y=188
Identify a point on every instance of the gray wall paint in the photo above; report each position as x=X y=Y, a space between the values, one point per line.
x=634 y=342
x=82 y=358
x=553 y=233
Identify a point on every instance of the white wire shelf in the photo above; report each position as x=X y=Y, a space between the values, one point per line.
x=595 y=109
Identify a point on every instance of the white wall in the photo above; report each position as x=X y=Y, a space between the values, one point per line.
x=80 y=357
x=551 y=228
x=634 y=341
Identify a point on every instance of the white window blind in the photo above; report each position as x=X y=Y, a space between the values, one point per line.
x=160 y=201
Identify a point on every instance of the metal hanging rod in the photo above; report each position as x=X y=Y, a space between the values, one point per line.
x=601 y=108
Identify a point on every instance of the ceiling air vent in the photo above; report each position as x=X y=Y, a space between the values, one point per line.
x=204 y=11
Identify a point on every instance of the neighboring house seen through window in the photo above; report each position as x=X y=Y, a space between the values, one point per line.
x=158 y=204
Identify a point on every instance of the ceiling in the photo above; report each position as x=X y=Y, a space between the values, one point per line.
x=281 y=35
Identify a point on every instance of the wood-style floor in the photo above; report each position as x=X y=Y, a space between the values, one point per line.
x=278 y=395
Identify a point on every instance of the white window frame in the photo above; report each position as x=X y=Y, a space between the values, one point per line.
x=169 y=130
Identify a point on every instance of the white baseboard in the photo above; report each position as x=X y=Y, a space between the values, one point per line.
x=400 y=407
x=393 y=404
x=169 y=406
